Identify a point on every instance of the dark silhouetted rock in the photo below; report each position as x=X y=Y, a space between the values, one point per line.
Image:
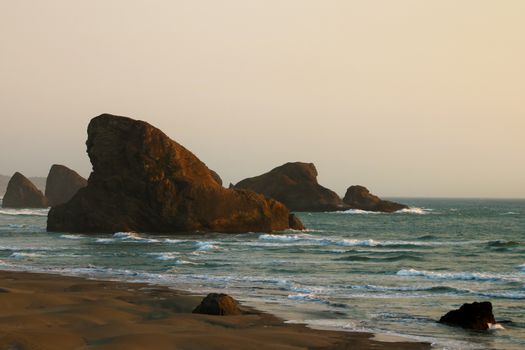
x=358 y=197
x=295 y=184
x=216 y=177
x=476 y=316
x=22 y=193
x=144 y=181
x=62 y=184
x=295 y=223
x=218 y=304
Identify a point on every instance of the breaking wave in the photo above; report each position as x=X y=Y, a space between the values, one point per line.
x=411 y=210
x=24 y=212
x=460 y=276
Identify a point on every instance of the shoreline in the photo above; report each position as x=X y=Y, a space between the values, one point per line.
x=52 y=311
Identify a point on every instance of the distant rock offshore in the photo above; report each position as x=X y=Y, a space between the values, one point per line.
x=295 y=184
x=22 y=193
x=62 y=184
x=359 y=197
x=144 y=181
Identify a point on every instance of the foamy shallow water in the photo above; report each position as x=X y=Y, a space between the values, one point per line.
x=389 y=273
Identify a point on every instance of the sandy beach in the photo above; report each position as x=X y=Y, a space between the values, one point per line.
x=45 y=311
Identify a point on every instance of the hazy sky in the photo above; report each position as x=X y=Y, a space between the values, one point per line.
x=407 y=97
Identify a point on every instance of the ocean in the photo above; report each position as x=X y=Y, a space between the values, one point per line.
x=357 y=271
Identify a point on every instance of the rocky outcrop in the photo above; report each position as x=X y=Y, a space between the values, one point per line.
x=62 y=184
x=22 y=193
x=144 y=181
x=295 y=184
x=218 y=304
x=476 y=316
x=216 y=177
x=359 y=197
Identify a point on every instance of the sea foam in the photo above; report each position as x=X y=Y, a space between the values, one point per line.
x=24 y=212
x=461 y=276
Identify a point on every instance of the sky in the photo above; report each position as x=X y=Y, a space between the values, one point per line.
x=408 y=97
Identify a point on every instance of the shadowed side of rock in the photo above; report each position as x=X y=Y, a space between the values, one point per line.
x=295 y=185
x=22 y=193
x=219 y=305
x=359 y=197
x=144 y=181
x=62 y=184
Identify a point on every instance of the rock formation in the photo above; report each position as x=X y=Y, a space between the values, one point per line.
x=144 y=181
x=218 y=304
x=22 y=193
x=62 y=184
x=295 y=185
x=476 y=316
x=359 y=197
x=216 y=177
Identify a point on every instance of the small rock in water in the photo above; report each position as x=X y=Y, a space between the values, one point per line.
x=477 y=316
x=218 y=304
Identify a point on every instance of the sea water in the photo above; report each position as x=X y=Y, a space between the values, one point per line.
x=353 y=270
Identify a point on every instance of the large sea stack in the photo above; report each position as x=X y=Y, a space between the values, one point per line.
x=144 y=181
x=295 y=184
x=359 y=197
x=22 y=193
x=62 y=184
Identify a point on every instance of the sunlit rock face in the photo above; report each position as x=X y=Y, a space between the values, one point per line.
x=144 y=181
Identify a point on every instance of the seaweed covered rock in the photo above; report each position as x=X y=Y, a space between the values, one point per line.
x=295 y=184
x=144 y=181
x=62 y=183
x=359 y=197
x=22 y=193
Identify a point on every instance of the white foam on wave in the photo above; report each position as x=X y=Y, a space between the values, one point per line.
x=72 y=236
x=358 y=243
x=495 y=326
x=414 y=210
x=349 y=242
x=164 y=256
x=304 y=297
x=461 y=276
x=24 y=212
x=105 y=240
x=133 y=236
x=522 y=267
x=356 y=211
x=411 y=210
x=205 y=246
x=175 y=241
x=22 y=255
x=282 y=238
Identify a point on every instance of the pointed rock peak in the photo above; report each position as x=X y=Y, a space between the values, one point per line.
x=62 y=183
x=143 y=181
x=22 y=193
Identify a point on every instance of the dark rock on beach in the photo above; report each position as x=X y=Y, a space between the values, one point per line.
x=144 y=181
x=22 y=193
x=359 y=197
x=218 y=304
x=475 y=316
x=295 y=184
x=62 y=184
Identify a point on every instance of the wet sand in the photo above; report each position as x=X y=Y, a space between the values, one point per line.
x=44 y=311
